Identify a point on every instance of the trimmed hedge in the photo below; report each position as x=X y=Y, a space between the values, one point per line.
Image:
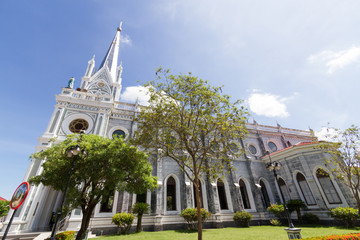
x=124 y=221
x=190 y=216
x=243 y=218
x=346 y=215
x=67 y=235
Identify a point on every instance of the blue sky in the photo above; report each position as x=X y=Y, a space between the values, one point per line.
x=293 y=62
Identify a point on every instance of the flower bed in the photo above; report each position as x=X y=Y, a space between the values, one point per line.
x=350 y=236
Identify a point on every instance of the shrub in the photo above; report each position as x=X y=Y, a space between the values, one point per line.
x=275 y=222
x=345 y=214
x=277 y=209
x=124 y=221
x=309 y=218
x=190 y=216
x=67 y=235
x=243 y=218
x=141 y=209
x=296 y=205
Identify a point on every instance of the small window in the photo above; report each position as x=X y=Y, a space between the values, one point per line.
x=272 y=146
x=119 y=133
x=234 y=147
x=252 y=149
x=141 y=198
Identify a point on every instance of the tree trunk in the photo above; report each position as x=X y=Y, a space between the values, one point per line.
x=299 y=215
x=85 y=222
x=138 y=226
x=197 y=195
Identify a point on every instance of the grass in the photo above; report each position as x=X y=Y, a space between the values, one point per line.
x=254 y=232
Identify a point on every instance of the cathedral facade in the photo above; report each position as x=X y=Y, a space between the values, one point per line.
x=94 y=108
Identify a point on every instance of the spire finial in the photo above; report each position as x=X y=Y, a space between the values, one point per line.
x=119 y=28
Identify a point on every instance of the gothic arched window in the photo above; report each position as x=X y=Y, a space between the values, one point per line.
x=265 y=194
x=244 y=194
x=284 y=190
x=107 y=202
x=328 y=187
x=222 y=195
x=171 y=194
x=141 y=198
x=305 y=189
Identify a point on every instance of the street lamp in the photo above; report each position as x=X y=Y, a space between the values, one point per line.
x=293 y=233
x=71 y=152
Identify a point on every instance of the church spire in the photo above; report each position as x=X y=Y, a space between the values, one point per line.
x=111 y=57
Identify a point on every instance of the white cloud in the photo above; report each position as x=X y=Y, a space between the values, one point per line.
x=125 y=39
x=269 y=105
x=132 y=93
x=336 y=60
x=327 y=134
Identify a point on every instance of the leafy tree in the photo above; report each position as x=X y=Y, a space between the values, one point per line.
x=296 y=205
x=108 y=165
x=140 y=209
x=4 y=208
x=194 y=124
x=344 y=147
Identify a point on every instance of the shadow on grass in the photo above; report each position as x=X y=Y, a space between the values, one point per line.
x=186 y=231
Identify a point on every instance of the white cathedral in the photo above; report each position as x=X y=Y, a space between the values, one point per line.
x=94 y=108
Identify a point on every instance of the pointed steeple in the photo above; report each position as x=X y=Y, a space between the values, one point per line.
x=111 y=57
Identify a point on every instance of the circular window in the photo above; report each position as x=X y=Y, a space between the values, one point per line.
x=119 y=133
x=252 y=149
x=77 y=125
x=101 y=84
x=272 y=146
x=234 y=147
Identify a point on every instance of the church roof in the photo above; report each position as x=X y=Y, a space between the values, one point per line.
x=2 y=199
x=293 y=146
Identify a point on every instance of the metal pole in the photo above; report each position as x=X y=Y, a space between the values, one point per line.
x=53 y=233
x=291 y=225
x=8 y=226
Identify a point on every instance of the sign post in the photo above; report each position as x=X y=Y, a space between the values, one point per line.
x=17 y=199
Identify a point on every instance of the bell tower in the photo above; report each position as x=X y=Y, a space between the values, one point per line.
x=107 y=79
x=93 y=108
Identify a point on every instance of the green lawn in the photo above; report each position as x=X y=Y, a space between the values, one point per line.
x=256 y=232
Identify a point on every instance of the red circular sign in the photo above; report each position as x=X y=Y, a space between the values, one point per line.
x=19 y=195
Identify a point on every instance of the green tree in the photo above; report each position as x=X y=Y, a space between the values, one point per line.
x=108 y=165
x=296 y=205
x=343 y=147
x=194 y=124
x=140 y=209
x=4 y=208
